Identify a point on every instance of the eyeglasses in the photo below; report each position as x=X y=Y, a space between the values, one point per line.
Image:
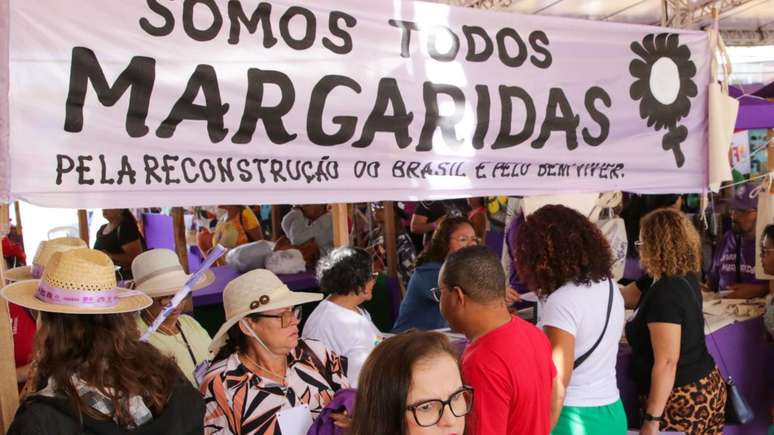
x=436 y=293
x=286 y=318
x=465 y=240
x=429 y=412
x=765 y=251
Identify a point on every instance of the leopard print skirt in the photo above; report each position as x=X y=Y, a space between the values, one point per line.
x=697 y=408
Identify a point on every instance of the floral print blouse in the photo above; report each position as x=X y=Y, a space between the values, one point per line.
x=240 y=402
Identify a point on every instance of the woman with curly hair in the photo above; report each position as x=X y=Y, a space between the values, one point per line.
x=566 y=260
x=681 y=387
x=338 y=321
x=419 y=309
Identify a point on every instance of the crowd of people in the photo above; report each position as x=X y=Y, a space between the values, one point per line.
x=88 y=371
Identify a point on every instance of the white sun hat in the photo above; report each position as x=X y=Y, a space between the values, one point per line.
x=45 y=250
x=158 y=273
x=256 y=291
x=76 y=281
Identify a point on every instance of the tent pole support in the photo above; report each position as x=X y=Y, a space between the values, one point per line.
x=340 y=227
x=9 y=393
x=83 y=225
x=390 y=239
x=178 y=226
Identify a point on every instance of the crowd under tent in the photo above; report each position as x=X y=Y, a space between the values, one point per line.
x=351 y=103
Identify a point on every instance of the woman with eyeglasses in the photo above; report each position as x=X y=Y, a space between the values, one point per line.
x=338 y=321
x=411 y=385
x=261 y=367
x=419 y=309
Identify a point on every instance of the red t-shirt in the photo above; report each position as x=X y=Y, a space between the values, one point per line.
x=23 y=327
x=511 y=372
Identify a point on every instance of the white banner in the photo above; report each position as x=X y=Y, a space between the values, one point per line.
x=145 y=103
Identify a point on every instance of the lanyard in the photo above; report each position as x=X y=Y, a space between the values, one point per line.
x=188 y=346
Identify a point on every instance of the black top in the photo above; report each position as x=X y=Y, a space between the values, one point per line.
x=434 y=210
x=113 y=242
x=37 y=415
x=670 y=300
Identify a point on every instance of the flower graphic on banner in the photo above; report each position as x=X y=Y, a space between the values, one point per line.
x=664 y=85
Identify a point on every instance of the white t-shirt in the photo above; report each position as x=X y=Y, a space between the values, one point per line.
x=346 y=332
x=581 y=311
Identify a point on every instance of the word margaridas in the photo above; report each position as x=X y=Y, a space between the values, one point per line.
x=389 y=113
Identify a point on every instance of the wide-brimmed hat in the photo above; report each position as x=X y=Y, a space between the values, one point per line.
x=158 y=273
x=45 y=250
x=256 y=291
x=77 y=281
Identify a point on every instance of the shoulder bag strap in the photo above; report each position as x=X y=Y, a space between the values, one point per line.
x=588 y=353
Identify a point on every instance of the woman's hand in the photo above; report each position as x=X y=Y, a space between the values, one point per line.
x=342 y=419
x=649 y=428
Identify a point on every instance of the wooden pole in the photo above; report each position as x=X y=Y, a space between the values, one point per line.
x=276 y=222
x=340 y=231
x=9 y=393
x=390 y=239
x=17 y=211
x=178 y=227
x=83 y=225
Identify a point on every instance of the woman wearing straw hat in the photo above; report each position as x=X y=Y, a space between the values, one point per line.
x=158 y=274
x=22 y=319
x=93 y=375
x=261 y=367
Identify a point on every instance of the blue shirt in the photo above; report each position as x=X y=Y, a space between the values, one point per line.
x=419 y=310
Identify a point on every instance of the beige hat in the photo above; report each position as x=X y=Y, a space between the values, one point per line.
x=46 y=249
x=77 y=281
x=256 y=291
x=158 y=273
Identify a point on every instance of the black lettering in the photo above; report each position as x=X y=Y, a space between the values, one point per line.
x=204 y=166
x=443 y=169
x=126 y=171
x=61 y=169
x=432 y=45
x=270 y=116
x=204 y=78
x=593 y=94
x=433 y=118
x=259 y=166
x=502 y=49
x=483 y=55
x=139 y=75
x=412 y=168
x=166 y=14
x=480 y=167
x=314 y=120
x=505 y=138
x=388 y=94
x=397 y=169
x=310 y=30
x=295 y=176
x=567 y=121
x=360 y=168
x=225 y=169
x=151 y=165
x=189 y=162
x=243 y=166
x=482 y=116
x=276 y=170
x=260 y=15
x=168 y=169
x=103 y=176
x=405 y=35
x=458 y=172
x=209 y=33
x=336 y=30
x=538 y=40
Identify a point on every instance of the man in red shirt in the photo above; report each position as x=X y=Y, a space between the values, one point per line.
x=508 y=361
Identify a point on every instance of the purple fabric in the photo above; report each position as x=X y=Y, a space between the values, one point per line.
x=743 y=200
x=77 y=298
x=510 y=242
x=723 y=272
x=754 y=112
x=748 y=358
x=323 y=425
x=195 y=259
x=213 y=293
x=632 y=269
x=158 y=231
x=494 y=241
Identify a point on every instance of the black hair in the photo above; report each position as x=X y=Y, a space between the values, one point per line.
x=344 y=271
x=768 y=232
x=477 y=271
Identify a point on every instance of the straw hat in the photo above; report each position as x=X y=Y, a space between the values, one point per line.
x=158 y=273
x=46 y=249
x=256 y=291
x=77 y=281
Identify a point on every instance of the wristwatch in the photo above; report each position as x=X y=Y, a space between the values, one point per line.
x=648 y=417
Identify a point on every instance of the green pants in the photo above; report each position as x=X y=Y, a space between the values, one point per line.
x=592 y=420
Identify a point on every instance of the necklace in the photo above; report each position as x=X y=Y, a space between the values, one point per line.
x=259 y=366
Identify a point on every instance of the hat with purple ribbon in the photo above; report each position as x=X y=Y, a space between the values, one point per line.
x=46 y=249
x=76 y=281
